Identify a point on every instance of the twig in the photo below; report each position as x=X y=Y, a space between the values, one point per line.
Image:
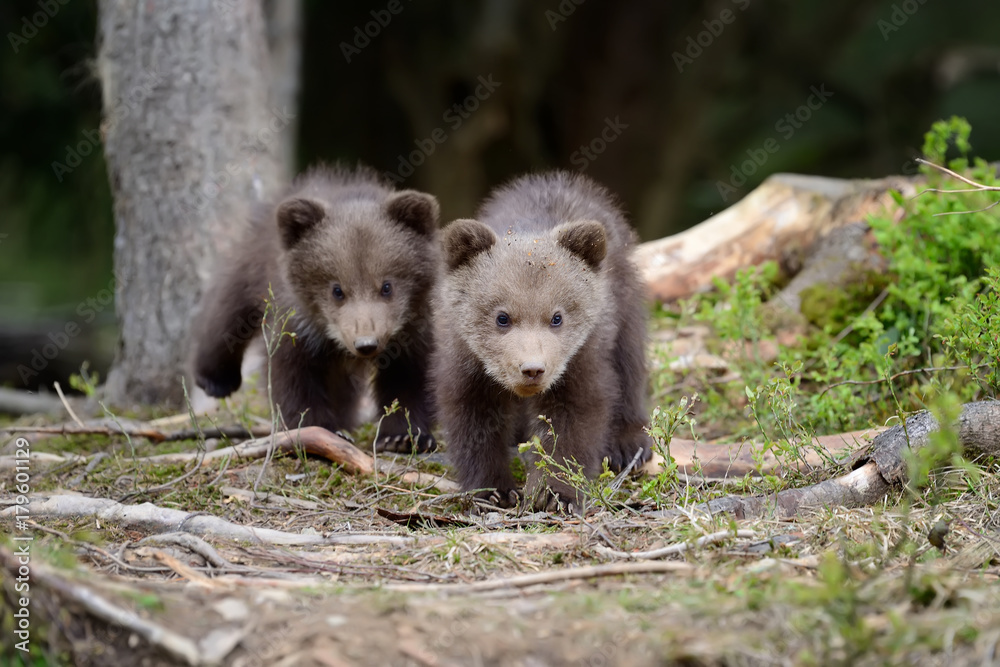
x=977 y=210
x=978 y=186
x=175 y=645
x=225 y=467
x=932 y=369
x=227 y=432
x=194 y=544
x=872 y=306
x=230 y=432
x=95 y=459
x=183 y=570
x=619 y=479
x=166 y=485
x=156 y=436
x=149 y=517
x=312 y=439
x=65 y=403
x=553 y=576
x=712 y=538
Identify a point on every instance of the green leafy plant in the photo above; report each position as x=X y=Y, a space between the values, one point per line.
x=664 y=424
x=85 y=382
x=568 y=471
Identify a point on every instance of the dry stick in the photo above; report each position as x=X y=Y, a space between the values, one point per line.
x=183 y=570
x=711 y=538
x=172 y=643
x=881 y=469
x=149 y=517
x=552 y=576
x=225 y=467
x=194 y=544
x=976 y=187
x=94 y=460
x=231 y=432
x=156 y=436
x=313 y=439
x=166 y=485
x=65 y=403
x=930 y=369
x=871 y=307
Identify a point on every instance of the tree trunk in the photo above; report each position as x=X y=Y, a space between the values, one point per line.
x=284 y=41
x=191 y=143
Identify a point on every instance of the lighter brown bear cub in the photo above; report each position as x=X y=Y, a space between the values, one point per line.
x=356 y=262
x=541 y=312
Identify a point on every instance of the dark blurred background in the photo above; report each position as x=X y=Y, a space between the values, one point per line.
x=660 y=101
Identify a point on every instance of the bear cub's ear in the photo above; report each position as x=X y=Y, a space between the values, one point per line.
x=464 y=239
x=296 y=217
x=586 y=239
x=417 y=210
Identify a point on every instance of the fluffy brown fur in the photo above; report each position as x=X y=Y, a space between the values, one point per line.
x=356 y=262
x=541 y=313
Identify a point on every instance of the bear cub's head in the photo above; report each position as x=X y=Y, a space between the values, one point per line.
x=525 y=304
x=360 y=268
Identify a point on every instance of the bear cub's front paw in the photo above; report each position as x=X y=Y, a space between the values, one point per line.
x=502 y=498
x=620 y=454
x=218 y=382
x=402 y=443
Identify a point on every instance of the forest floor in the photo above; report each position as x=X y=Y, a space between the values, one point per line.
x=372 y=570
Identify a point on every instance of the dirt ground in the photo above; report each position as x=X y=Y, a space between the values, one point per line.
x=384 y=569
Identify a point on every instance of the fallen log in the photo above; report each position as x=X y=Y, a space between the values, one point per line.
x=780 y=221
x=734 y=460
x=878 y=471
x=18 y=402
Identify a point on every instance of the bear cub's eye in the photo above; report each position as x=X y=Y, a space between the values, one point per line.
x=338 y=293
x=556 y=320
x=503 y=320
x=386 y=289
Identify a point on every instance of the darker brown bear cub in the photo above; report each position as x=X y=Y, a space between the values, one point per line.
x=356 y=262
x=541 y=312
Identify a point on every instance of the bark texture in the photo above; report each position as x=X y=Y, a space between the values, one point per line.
x=781 y=220
x=191 y=143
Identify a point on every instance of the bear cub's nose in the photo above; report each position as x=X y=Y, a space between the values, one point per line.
x=366 y=346
x=532 y=369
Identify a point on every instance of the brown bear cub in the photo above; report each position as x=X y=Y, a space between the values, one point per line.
x=356 y=261
x=541 y=312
